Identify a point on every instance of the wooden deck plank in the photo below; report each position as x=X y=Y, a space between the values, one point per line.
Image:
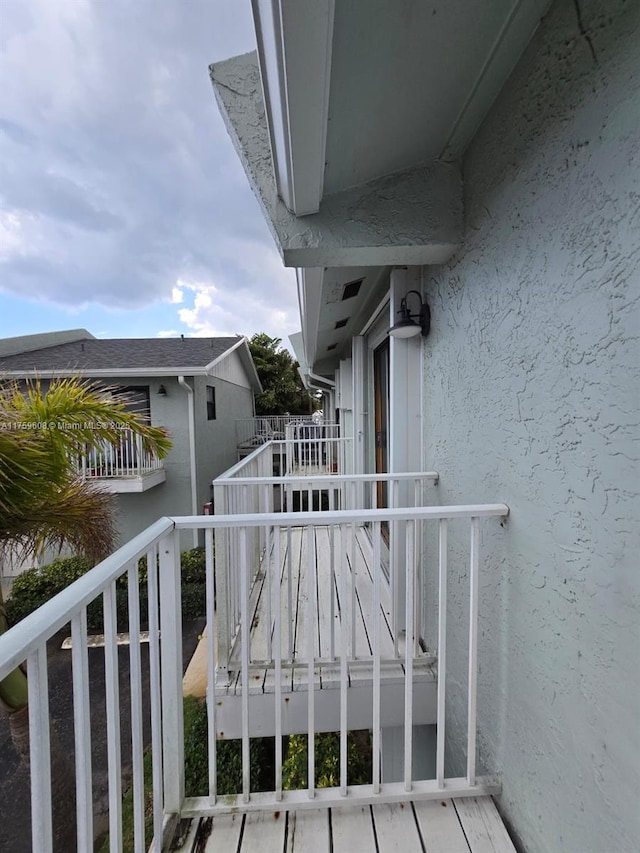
x=225 y=833
x=308 y=831
x=352 y=829
x=294 y=559
x=264 y=831
x=325 y=592
x=440 y=827
x=396 y=828
x=483 y=826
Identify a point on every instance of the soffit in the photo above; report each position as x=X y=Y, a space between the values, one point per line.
x=411 y=80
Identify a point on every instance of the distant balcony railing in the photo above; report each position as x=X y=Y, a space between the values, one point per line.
x=162 y=705
x=125 y=458
x=254 y=431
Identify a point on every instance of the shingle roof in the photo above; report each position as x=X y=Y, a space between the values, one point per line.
x=117 y=354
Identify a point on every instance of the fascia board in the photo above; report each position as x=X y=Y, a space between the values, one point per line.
x=311 y=280
x=294 y=41
x=113 y=371
x=242 y=345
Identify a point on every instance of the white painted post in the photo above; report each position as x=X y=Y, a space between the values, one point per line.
x=39 y=751
x=135 y=680
x=377 y=569
x=344 y=640
x=278 y=665
x=171 y=670
x=473 y=649
x=408 y=657
x=113 y=718
x=82 y=730
x=211 y=665
x=442 y=650
x=245 y=636
x=311 y=622
x=155 y=696
x=221 y=536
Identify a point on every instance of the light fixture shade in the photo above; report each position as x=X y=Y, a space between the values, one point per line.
x=406 y=328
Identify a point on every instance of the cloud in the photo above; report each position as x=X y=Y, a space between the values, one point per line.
x=118 y=180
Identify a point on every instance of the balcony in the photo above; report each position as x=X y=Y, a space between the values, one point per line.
x=123 y=467
x=315 y=622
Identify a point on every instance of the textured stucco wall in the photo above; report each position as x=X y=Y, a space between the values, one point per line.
x=173 y=497
x=216 y=440
x=531 y=398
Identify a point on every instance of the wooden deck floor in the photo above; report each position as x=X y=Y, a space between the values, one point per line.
x=352 y=610
x=463 y=825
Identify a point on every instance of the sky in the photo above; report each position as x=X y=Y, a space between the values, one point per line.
x=123 y=206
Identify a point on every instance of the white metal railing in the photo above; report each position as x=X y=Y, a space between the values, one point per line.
x=254 y=492
x=125 y=458
x=160 y=543
x=251 y=432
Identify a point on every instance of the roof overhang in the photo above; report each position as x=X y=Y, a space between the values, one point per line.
x=351 y=122
x=294 y=39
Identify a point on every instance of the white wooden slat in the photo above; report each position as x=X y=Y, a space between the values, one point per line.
x=155 y=695
x=82 y=730
x=244 y=636
x=171 y=673
x=113 y=719
x=344 y=640
x=135 y=681
x=483 y=826
x=308 y=831
x=396 y=828
x=225 y=833
x=352 y=829
x=325 y=592
x=311 y=645
x=440 y=827
x=39 y=750
x=442 y=649
x=277 y=533
x=473 y=649
x=408 y=661
x=264 y=831
x=376 y=617
x=212 y=628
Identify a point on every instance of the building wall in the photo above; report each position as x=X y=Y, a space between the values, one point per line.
x=531 y=397
x=173 y=497
x=216 y=439
x=215 y=448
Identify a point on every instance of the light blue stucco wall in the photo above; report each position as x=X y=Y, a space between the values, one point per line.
x=215 y=448
x=531 y=397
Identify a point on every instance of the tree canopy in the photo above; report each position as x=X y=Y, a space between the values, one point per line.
x=284 y=391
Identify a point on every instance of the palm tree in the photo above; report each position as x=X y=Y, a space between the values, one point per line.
x=44 y=503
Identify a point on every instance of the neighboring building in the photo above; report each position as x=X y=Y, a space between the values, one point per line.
x=492 y=165
x=195 y=387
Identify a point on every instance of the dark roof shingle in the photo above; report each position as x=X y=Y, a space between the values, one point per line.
x=120 y=353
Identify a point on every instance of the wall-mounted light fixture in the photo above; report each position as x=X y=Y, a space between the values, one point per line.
x=162 y=391
x=407 y=327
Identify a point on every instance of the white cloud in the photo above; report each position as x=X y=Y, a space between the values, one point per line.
x=121 y=188
x=168 y=333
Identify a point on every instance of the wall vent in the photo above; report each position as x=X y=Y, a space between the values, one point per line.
x=351 y=289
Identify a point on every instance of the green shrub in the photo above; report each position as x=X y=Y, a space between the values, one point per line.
x=228 y=757
x=37 y=585
x=193 y=565
x=327 y=760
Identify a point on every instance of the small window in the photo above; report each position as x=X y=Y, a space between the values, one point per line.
x=211 y=403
